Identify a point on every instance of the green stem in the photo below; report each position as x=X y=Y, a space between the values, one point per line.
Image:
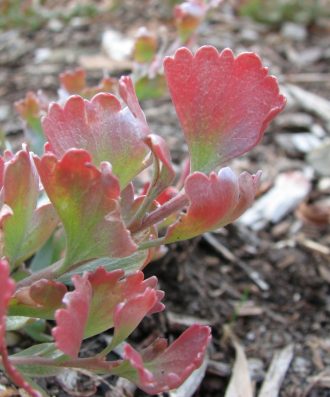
x=49 y=273
x=151 y=243
x=90 y=363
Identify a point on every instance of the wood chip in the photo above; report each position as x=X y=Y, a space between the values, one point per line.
x=253 y=275
x=276 y=373
x=311 y=102
x=314 y=246
x=180 y=321
x=248 y=309
x=320 y=380
x=240 y=384
x=289 y=190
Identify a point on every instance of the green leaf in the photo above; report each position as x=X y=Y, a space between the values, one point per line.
x=13 y=323
x=50 y=253
x=36 y=331
x=147 y=88
x=87 y=202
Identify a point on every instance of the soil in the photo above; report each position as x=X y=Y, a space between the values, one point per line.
x=271 y=283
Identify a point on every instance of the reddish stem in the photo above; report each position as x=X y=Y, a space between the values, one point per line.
x=175 y=204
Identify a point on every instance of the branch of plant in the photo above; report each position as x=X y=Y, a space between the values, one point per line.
x=177 y=203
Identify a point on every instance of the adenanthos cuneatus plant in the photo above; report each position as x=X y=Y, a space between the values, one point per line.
x=81 y=187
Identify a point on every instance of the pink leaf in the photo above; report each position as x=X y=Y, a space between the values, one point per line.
x=23 y=235
x=86 y=200
x=215 y=201
x=73 y=81
x=30 y=107
x=121 y=302
x=2 y=168
x=167 y=195
x=7 y=287
x=248 y=186
x=72 y=320
x=188 y=15
x=224 y=104
x=127 y=92
x=48 y=293
x=212 y=199
x=130 y=313
x=103 y=128
x=169 y=367
x=38 y=300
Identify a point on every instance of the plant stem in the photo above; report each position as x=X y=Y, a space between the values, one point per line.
x=49 y=273
x=159 y=214
x=87 y=363
x=151 y=243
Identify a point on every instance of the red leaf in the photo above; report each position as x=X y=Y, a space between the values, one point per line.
x=72 y=320
x=38 y=300
x=7 y=287
x=224 y=104
x=26 y=228
x=30 y=107
x=248 y=187
x=169 y=367
x=215 y=201
x=129 y=313
x=121 y=302
x=188 y=15
x=212 y=198
x=86 y=200
x=73 y=81
x=2 y=168
x=48 y=293
x=103 y=128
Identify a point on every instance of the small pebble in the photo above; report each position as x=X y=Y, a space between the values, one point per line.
x=293 y=31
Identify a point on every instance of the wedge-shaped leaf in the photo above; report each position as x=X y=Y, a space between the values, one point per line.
x=215 y=201
x=72 y=320
x=74 y=82
x=121 y=302
x=224 y=103
x=40 y=299
x=103 y=128
x=131 y=312
x=151 y=88
x=188 y=15
x=7 y=287
x=86 y=200
x=102 y=300
x=161 y=368
x=30 y=109
x=25 y=227
x=145 y=46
